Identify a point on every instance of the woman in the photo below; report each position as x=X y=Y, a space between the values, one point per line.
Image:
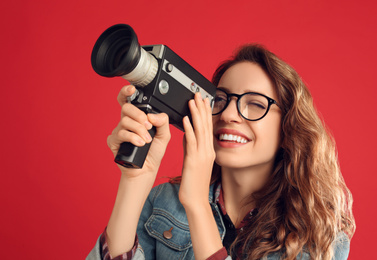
x=260 y=176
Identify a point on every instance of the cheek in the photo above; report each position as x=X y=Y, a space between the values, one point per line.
x=215 y=119
x=268 y=134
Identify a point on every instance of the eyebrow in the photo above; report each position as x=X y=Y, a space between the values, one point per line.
x=247 y=91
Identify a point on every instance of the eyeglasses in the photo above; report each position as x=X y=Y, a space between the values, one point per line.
x=251 y=106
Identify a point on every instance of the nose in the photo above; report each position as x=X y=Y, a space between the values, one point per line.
x=230 y=114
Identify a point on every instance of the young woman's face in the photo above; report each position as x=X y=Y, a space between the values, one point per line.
x=259 y=140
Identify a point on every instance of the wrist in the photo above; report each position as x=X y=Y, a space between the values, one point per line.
x=197 y=207
x=137 y=175
x=205 y=236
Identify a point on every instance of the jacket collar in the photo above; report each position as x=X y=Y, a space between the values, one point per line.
x=212 y=192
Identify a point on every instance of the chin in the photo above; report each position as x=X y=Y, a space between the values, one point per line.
x=239 y=161
x=230 y=161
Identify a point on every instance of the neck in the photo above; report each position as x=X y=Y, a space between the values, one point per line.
x=238 y=187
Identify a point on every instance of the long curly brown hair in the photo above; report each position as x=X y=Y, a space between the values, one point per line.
x=305 y=203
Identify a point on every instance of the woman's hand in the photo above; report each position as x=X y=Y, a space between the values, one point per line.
x=133 y=127
x=196 y=176
x=135 y=184
x=199 y=153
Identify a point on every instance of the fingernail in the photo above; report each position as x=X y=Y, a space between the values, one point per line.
x=141 y=141
x=148 y=138
x=148 y=125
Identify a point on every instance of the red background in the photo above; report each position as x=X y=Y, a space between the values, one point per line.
x=57 y=175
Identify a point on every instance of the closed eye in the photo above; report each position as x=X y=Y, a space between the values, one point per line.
x=256 y=105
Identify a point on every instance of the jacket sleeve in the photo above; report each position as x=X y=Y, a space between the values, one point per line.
x=147 y=244
x=95 y=254
x=220 y=255
x=341 y=247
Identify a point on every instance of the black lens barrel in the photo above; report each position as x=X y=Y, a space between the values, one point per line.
x=116 y=52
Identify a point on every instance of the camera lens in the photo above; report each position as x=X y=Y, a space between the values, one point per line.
x=117 y=52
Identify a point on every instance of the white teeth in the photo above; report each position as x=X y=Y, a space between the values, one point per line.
x=232 y=138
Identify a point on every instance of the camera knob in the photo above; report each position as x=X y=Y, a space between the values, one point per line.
x=169 y=67
x=134 y=96
x=163 y=86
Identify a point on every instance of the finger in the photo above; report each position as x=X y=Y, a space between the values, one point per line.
x=208 y=110
x=204 y=132
x=199 y=102
x=129 y=110
x=209 y=124
x=184 y=143
x=125 y=92
x=119 y=136
x=201 y=105
x=195 y=115
x=190 y=137
x=130 y=125
x=203 y=108
x=198 y=114
x=127 y=136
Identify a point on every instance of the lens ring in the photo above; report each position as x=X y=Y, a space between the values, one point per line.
x=116 y=52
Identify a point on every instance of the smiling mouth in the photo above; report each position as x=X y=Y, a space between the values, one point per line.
x=232 y=138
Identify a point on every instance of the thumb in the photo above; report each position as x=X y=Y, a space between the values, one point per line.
x=161 y=122
x=158 y=120
x=184 y=143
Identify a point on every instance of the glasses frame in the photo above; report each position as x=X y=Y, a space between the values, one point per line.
x=239 y=96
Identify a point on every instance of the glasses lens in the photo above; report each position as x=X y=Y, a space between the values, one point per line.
x=253 y=106
x=220 y=102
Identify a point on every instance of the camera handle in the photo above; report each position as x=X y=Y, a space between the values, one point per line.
x=131 y=156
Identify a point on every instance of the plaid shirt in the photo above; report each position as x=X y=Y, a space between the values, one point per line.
x=219 y=255
x=106 y=254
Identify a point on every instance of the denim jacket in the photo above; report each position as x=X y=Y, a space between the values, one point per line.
x=163 y=212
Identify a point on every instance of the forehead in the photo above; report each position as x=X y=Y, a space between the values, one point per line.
x=247 y=77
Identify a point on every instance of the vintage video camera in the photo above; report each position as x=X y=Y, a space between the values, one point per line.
x=164 y=81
